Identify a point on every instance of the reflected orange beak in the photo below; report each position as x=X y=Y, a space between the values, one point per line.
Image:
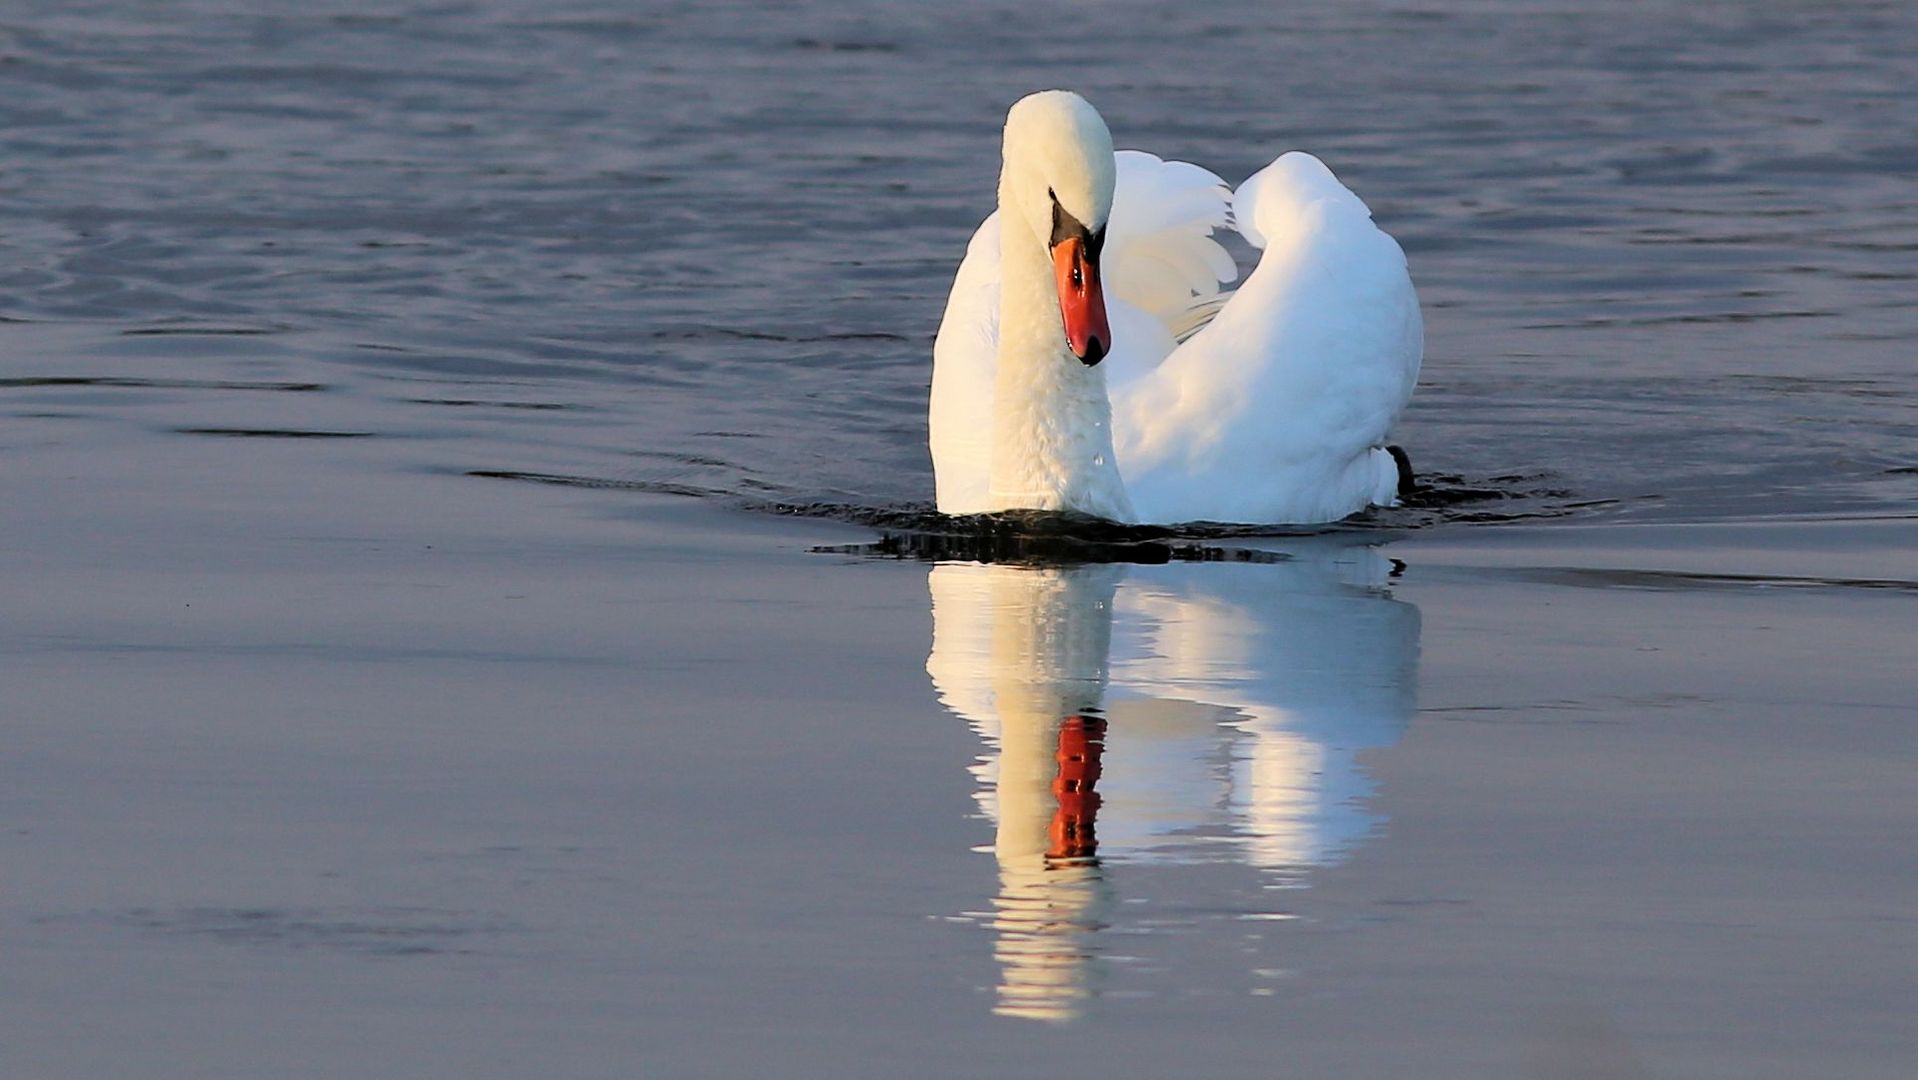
x=1082 y=303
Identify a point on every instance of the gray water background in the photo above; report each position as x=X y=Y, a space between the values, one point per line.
x=324 y=758
x=1665 y=250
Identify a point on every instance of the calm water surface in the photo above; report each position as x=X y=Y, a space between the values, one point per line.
x=332 y=751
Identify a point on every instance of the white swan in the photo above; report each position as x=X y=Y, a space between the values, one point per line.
x=1266 y=404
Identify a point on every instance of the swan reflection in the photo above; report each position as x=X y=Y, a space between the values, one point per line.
x=1177 y=713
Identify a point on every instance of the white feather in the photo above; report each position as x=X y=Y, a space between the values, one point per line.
x=1267 y=404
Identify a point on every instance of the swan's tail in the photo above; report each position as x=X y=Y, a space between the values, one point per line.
x=1392 y=475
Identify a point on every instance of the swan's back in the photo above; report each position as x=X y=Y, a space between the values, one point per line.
x=1274 y=411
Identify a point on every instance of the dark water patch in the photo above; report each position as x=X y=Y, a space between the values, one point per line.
x=1686 y=581
x=1047 y=538
x=1039 y=550
x=1029 y=524
x=1866 y=338
x=844 y=46
x=1531 y=714
x=1692 y=319
x=345 y=78
x=1439 y=499
x=354 y=20
x=530 y=369
x=473 y=403
x=695 y=333
x=1450 y=498
x=383 y=932
x=203 y=331
x=590 y=26
x=1446 y=491
x=319 y=652
x=1877 y=246
x=1855 y=387
x=271 y=433
x=696 y=460
x=35 y=382
x=650 y=487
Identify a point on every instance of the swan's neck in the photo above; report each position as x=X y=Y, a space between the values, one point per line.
x=1052 y=420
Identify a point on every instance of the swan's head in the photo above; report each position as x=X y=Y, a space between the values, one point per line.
x=1058 y=184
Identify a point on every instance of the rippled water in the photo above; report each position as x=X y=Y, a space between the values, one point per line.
x=334 y=749
x=1666 y=258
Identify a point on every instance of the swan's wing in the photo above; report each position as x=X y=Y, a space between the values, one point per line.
x=1272 y=411
x=964 y=358
x=1160 y=256
x=1197 y=317
x=1337 y=311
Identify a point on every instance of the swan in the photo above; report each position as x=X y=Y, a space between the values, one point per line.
x=1265 y=404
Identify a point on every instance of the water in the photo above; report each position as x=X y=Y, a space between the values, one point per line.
x=1665 y=258
x=335 y=750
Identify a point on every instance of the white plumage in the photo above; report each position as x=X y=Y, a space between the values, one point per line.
x=1265 y=404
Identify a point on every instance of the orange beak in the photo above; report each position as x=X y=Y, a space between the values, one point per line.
x=1081 y=302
